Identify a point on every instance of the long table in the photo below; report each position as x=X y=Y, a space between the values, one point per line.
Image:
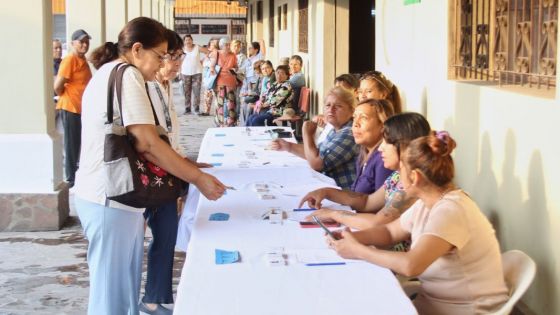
x=252 y=286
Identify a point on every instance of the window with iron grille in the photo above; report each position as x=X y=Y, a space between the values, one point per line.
x=221 y=29
x=285 y=17
x=259 y=11
x=509 y=41
x=184 y=26
x=302 y=24
x=271 y=23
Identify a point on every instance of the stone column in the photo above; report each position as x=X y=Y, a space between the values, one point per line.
x=324 y=48
x=147 y=8
x=115 y=18
x=163 y=13
x=32 y=196
x=155 y=9
x=88 y=15
x=134 y=9
x=170 y=10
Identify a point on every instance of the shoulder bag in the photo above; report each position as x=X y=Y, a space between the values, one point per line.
x=130 y=178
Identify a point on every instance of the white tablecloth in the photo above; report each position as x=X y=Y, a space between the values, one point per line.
x=234 y=148
x=251 y=286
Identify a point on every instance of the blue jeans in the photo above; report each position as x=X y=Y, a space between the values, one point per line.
x=260 y=119
x=163 y=221
x=114 y=256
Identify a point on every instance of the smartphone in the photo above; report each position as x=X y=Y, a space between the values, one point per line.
x=324 y=227
x=307 y=224
x=284 y=134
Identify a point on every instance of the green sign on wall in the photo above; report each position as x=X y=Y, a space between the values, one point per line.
x=409 y=2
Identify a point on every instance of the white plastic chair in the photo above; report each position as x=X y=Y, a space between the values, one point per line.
x=519 y=272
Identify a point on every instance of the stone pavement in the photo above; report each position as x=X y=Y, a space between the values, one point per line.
x=47 y=272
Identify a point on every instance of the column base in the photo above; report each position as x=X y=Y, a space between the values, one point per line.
x=24 y=212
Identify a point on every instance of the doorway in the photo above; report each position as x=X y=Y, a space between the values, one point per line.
x=362 y=36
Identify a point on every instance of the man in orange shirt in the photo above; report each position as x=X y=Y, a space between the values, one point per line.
x=73 y=76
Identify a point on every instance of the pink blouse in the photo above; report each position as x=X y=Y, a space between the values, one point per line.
x=469 y=278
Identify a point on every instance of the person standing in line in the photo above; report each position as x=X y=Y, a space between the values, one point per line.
x=163 y=219
x=73 y=76
x=240 y=73
x=57 y=55
x=115 y=231
x=57 y=59
x=208 y=94
x=226 y=84
x=191 y=72
x=256 y=51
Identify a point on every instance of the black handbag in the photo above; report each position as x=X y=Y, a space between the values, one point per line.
x=130 y=178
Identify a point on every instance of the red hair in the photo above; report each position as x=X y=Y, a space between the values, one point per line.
x=432 y=156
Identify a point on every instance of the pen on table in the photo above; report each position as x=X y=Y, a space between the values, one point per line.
x=305 y=209
x=230 y=188
x=326 y=264
x=265 y=163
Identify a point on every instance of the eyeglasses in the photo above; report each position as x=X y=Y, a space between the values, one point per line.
x=177 y=57
x=162 y=58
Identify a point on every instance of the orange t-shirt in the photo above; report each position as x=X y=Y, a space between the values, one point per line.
x=77 y=74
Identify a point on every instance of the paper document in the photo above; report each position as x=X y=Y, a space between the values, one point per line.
x=319 y=256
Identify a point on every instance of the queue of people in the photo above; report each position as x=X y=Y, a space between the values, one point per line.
x=395 y=172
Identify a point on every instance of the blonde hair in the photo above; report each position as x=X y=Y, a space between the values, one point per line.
x=343 y=95
x=382 y=83
x=235 y=42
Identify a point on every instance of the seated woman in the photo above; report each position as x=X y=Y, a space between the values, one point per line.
x=252 y=94
x=454 y=252
x=268 y=77
x=390 y=200
x=278 y=97
x=336 y=156
x=367 y=130
x=373 y=84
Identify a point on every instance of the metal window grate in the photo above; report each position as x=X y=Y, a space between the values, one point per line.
x=508 y=41
x=285 y=17
x=259 y=11
x=271 y=8
x=302 y=23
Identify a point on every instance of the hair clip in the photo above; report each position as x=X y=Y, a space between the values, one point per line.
x=441 y=135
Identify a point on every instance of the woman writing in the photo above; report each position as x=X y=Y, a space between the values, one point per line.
x=115 y=231
x=454 y=251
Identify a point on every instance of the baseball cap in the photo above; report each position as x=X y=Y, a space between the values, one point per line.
x=80 y=34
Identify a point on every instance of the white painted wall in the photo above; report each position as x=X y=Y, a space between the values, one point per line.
x=507 y=154
x=31 y=149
